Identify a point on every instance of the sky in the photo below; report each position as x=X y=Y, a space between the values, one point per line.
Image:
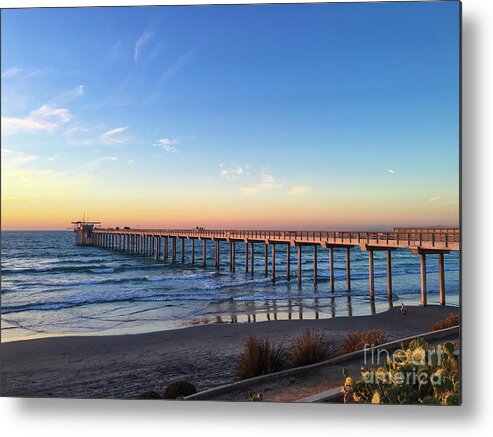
x=328 y=116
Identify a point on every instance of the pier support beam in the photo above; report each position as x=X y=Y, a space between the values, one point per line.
x=246 y=257
x=173 y=249
x=193 y=251
x=158 y=249
x=252 y=251
x=422 y=253
x=348 y=268
x=288 y=262
x=299 y=266
x=165 y=250
x=204 y=250
x=217 y=253
x=371 y=271
x=389 y=275
x=233 y=256
x=273 y=263
x=331 y=268
x=183 y=251
x=315 y=264
x=423 y=279
x=441 y=273
x=266 y=265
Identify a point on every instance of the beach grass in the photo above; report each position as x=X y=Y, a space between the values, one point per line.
x=448 y=322
x=358 y=340
x=310 y=347
x=259 y=357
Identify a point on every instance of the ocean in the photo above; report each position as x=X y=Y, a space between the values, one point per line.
x=51 y=287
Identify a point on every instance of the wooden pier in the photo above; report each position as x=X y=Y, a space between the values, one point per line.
x=148 y=242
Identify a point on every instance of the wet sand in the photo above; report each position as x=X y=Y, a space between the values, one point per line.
x=122 y=366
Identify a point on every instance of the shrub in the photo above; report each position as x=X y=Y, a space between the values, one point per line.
x=356 y=341
x=309 y=348
x=449 y=321
x=179 y=390
x=149 y=394
x=418 y=375
x=259 y=357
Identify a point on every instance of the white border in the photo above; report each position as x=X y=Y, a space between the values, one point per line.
x=19 y=417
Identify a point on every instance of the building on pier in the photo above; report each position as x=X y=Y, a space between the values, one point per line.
x=84 y=232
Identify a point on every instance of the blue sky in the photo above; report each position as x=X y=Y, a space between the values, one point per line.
x=316 y=115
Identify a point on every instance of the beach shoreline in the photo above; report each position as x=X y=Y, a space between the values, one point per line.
x=122 y=366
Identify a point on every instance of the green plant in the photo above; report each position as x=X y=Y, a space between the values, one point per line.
x=419 y=374
x=449 y=321
x=356 y=341
x=179 y=390
x=309 y=348
x=149 y=394
x=259 y=357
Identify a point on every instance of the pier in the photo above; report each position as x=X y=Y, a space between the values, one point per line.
x=156 y=243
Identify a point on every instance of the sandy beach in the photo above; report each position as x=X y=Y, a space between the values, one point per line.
x=122 y=366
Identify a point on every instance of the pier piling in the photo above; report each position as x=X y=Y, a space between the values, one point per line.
x=348 y=268
x=288 y=262
x=441 y=273
x=331 y=268
x=315 y=264
x=371 y=274
x=423 y=279
x=389 y=274
x=273 y=263
x=204 y=250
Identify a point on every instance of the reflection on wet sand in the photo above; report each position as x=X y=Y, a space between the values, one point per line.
x=290 y=309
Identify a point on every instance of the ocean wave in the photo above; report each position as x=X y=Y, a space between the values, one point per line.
x=103 y=270
x=59 y=305
x=179 y=277
x=235 y=284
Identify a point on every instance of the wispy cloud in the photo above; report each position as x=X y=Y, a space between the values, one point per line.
x=391 y=170
x=234 y=172
x=107 y=158
x=140 y=43
x=11 y=72
x=266 y=182
x=114 y=136
x=95 y=164
x=434 y=198
x=167 y=144
x=13 y=159
x=45 y=118
x=72 y=94
x=176 y=67
x=32 y=74
x=298 y=190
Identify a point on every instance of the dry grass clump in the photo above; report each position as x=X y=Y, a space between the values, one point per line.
x=309 y=348
x=356 y=341
x=179 y=390
x=449 y=321
x=259 y=357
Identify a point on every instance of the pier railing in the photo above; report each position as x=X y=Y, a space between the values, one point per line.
x=439 y=238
